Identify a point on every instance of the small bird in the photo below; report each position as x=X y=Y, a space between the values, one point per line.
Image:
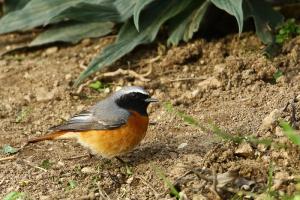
x=112 y=127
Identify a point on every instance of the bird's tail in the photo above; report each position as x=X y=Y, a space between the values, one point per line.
x=54 y=136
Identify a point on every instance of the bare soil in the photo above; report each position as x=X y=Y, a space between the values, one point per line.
x=227 y=81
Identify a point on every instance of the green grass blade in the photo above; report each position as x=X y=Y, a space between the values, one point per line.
x=293 y=136
x=270 y=179
x=162 y=176
x=73 y=32
x=15 y=196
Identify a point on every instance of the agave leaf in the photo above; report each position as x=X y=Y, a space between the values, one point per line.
x=151 y=19
x=87 y=12
x=36 y=13
x=13 y=5
x=265 y=18
x=125 y=8
x=184 y=25
x=139 y=6
x=233 y=7
x=73 y=32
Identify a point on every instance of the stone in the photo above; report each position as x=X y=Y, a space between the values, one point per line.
x=244 y=149
x=209 y=83
x=88 y=170
x=182 y=145
x=51 y=50
x=270 y=121
x=42 y=94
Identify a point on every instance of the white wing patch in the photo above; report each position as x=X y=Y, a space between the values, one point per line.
x=102 y=123
x=82 y=117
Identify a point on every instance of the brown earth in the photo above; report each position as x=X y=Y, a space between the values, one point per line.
x=226 y=81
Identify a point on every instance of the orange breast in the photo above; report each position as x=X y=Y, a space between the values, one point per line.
x=110 y=143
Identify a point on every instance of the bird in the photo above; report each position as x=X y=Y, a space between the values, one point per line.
x=112 y=127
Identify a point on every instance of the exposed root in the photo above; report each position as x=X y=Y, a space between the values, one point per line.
x=128 y=72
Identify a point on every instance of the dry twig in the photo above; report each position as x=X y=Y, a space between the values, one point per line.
x=187 y=79
x=31 y=165
x=7 y=158
x=118 y=72
x=102 y=193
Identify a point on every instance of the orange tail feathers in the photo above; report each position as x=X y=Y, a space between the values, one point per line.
x=51 y=136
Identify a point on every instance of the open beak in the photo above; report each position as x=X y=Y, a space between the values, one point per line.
x=150 y=100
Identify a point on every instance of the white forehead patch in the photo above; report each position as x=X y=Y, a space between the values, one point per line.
x=130 y=89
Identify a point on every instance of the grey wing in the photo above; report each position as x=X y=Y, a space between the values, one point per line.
x=88 y=120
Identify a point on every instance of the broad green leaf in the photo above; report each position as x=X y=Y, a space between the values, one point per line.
x=87 y=12
x=36 y=13
x=139 y=6
x=265 y=18
x=125 y=8
x=73 y=32
x=12 y=5
x=15 y=196
x=233 y=7
x=184 y=25
x=151 y=20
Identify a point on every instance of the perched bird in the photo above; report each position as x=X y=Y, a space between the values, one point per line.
x=110 y=128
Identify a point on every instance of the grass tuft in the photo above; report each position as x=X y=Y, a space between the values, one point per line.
x=288 y=130
x=169 y=184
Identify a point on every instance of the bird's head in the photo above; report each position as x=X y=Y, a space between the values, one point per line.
x=133 y=98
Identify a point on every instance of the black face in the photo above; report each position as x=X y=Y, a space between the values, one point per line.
x=135 y=101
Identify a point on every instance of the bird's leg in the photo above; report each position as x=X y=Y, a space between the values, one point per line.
x=121 y=160
x=127 y=166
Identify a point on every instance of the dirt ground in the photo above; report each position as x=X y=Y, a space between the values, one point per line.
x=226 y=81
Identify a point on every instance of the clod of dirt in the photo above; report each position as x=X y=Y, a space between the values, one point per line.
x=199 y=197
x=183 y=54
x=182 y=145
x=279 y=178
x=219 y=69
x=88 y=170
x=42 y=94
x=271 y=120
x=68 y=76
x=278 y=131
x=261 y=147
x=244 y=150
x=281 y=80
x=51 y=50
x=209 y=83
x=86 y=42
x=5 y=109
